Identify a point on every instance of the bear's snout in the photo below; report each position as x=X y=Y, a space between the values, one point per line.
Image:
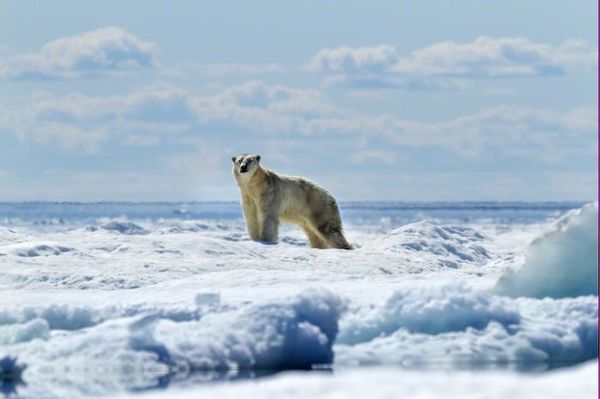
x=243 y=168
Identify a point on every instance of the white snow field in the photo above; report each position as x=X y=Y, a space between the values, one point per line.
x=459 y=300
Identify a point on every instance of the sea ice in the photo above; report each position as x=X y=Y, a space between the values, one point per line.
x=562 y=262
x=97 y=302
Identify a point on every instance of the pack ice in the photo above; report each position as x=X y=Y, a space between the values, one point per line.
x=106 y=305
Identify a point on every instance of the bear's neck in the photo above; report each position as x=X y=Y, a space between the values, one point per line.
x=257 y=180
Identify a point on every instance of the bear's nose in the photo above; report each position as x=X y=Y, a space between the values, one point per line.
x=244 y=168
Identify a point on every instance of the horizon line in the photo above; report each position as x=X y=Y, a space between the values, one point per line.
x=44 y=201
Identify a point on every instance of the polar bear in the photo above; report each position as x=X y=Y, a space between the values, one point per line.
x=268 y=198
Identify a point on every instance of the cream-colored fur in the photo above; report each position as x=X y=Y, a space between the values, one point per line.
x=268 y=198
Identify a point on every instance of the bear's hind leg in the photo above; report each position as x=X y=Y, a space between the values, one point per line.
x=337 y=240
x=315 y=240
x=334 y=237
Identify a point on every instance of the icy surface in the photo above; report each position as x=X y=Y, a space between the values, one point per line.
x=99 y=299
x=562 y=262
x=458 y=326
x=384 y=383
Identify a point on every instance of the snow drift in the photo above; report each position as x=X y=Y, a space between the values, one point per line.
x=289 y=333
x=428 y=310
x=457 y=325
x=438 y=244
x=560 y=263
x=296 y=333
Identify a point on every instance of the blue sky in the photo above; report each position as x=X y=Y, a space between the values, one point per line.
x=428 y=100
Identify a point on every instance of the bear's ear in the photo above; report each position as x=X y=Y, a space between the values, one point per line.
x=258 y=158
x=233 y=159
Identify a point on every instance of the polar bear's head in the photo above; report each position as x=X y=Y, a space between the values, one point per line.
x=245 y=165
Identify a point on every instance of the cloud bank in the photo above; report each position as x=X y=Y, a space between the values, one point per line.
x=256 y=109
x=109 y=49
x=447 y=64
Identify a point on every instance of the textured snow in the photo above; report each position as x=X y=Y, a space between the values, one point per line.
x=123 y=227
x=447 y=246
x=296 y=332
x=97 y=304
x=460 y=326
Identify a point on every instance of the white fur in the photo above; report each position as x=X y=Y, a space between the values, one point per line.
x=268 y=198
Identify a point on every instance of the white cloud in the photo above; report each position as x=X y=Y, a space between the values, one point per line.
x=542 y=134
x=258 y=106
x=533 y=133
x=354 y=59
x=489 y=57
x=285 y=124
x=277 y=112
x=100 y=51
x=446 y=64
x=79 y=121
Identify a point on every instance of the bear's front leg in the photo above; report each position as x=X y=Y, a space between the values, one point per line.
x=269 y=227
x=251 y=218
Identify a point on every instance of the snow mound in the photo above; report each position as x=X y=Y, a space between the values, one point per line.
x=461 y=326
x=71 y=317
x=289 y=333
x=199 y=226
x=124 y=228
x=560 y=263
x=297 y=333
x=450 y=246
x=24 y=250
x=32 y=249
x=15 y=333
x=429 y=310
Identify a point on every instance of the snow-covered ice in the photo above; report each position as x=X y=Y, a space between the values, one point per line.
x=104 y=299
x=561 y=262
x=386 y=383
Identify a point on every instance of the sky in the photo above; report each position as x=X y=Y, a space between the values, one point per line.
x=379 y=100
